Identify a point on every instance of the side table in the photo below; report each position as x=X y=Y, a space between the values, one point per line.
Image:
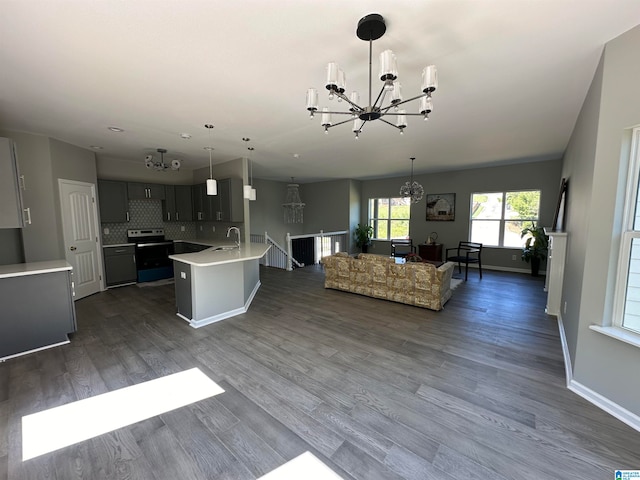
x=431 y=252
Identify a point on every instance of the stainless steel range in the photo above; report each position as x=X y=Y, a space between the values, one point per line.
x=152 y=254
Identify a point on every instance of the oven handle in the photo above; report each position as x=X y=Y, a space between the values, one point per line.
x=155 y=244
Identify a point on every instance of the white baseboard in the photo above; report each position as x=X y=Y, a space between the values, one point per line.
x=607 y=405
x=592 y=396
x=499 y=268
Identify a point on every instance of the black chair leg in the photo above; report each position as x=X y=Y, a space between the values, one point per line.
x=480 y=268
x=466 y=271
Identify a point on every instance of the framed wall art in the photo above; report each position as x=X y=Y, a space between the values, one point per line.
x=441 y=207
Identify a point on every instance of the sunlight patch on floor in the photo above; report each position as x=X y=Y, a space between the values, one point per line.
x=59 y=427
x=306 y=466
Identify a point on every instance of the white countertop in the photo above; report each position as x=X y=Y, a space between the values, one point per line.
x=33 y=268
x=210 y=256
x=203 y=241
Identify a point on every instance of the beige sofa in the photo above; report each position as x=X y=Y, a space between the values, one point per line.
x=419 y=284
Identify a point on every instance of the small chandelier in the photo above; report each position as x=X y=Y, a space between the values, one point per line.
x=160 y=166
x=370 y=28
x=293 y=206
x=412 y=189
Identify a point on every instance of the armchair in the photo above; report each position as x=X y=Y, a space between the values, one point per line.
x=401 y=247
x=466 y=252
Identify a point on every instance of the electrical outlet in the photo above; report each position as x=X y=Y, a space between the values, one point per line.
x=182 y=228
x=564 y=308
x=513 y=257
x=200 y=227
x=213 y=228
x=106 y=231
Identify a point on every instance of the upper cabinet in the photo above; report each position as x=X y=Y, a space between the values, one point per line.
x=11 y=208
x=114 y=201
x=145 y=190
x=178 y=203
x=226 y=206
x=229 y=203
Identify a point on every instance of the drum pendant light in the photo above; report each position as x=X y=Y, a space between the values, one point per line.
x=212 y=186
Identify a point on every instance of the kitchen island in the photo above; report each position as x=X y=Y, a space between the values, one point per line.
x=217 y=283
x=37 y=307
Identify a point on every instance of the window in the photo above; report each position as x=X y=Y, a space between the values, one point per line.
x=497 y=218
x=627 y=313
x=389 y=217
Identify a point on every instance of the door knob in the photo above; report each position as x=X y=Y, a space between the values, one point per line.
x=72 y=248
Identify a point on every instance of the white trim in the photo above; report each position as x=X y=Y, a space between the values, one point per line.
x=618 y=333
x=591 y=396
x=568 y=368
x=223 y=316
x=96 y=225
x=46 y=347
x=605 y=404
x=627 y=235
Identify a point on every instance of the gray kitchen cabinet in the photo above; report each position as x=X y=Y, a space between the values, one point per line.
x=120 y=265
x=184 y=203
x=229 y=201
x=114 y=201
x=202 y=203
x=11 y=207
x=27 y=325
x=145 y=191
x=178 y=203
x=169 y=204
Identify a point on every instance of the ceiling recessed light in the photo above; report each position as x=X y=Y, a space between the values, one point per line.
x=96 y=147
x=116 y=129
x=185 y=136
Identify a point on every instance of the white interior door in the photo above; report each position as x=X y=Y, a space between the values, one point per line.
x=80 y=230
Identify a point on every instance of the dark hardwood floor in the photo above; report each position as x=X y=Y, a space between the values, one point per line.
x=376 y=390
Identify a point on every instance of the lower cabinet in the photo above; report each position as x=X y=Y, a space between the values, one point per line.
x=120 y=265
x=37 y=312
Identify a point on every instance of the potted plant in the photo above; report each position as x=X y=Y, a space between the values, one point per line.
x=363 y=234
x=535 y=248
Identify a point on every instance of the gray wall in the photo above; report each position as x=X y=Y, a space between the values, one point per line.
x=595 y=162
x=267 y=212
x=70 y=163
x=11 y=243
x=110 y=168
x=544 y=176
x=43 y=161
x=327 y=206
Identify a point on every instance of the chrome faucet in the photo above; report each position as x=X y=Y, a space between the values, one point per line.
x=237 y=230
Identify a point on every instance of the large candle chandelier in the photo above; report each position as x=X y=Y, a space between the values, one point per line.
x=370 y=28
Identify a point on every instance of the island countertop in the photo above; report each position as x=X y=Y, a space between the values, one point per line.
x=211 y=256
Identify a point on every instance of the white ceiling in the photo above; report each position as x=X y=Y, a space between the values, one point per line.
x=512 y=77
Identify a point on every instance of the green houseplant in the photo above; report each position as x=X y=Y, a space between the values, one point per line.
x=535 y=248
x=363 y=234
